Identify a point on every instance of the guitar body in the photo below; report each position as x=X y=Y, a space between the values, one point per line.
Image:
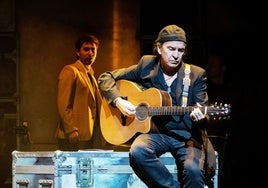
x=117 y=128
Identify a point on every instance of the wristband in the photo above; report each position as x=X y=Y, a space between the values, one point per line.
x=115 y=100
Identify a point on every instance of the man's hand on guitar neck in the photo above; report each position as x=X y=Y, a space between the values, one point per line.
x=197 y=115
x=126 y=107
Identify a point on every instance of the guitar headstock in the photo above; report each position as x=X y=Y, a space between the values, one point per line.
x=219 y=111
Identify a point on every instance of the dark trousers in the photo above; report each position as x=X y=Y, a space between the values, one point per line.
x=65 y=145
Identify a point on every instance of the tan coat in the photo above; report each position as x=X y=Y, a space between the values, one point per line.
x=78 y=102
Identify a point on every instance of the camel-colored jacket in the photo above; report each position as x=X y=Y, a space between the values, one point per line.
x=78 y=102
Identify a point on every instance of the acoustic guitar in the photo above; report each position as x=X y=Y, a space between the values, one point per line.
x=118 y=129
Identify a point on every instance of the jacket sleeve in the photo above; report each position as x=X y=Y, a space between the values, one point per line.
x=65 y=97
x=135 y=73
x=199 y=87
x=107 y=81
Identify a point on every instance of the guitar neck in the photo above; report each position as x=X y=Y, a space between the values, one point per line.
x=171 y=110
x=143 y=111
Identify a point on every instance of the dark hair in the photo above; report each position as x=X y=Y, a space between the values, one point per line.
x=86 y=38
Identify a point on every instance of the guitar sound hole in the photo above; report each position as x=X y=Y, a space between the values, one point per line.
x=142 y=112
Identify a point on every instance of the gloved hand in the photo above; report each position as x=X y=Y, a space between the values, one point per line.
x=197 y=114
x=126 y=107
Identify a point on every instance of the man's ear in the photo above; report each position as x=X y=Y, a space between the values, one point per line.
x=158 y=49
x=77 y=54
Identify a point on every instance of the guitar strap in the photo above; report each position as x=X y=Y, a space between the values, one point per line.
x=210 y=157
x=186 y=84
